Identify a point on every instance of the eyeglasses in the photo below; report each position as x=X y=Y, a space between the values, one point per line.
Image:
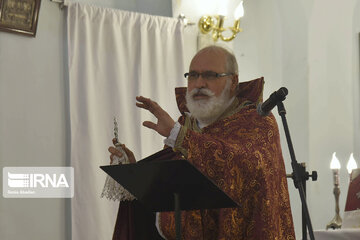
x=207 y=75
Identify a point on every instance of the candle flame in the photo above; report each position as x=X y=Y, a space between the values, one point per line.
x=335 y=164
x=351 y=165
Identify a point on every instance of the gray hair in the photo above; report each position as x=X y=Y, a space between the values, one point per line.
x=231 y=63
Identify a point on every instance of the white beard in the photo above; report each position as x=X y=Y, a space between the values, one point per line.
x=206 y=111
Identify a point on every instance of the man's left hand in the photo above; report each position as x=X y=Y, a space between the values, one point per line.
x=164 y=124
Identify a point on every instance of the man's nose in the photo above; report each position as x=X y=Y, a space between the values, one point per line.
x=200 y=82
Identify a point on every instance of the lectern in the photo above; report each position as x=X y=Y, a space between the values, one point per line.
x=170 y=185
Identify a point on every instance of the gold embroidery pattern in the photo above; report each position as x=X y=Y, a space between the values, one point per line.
x=241 y=154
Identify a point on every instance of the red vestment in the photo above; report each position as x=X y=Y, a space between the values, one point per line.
x=241 y=153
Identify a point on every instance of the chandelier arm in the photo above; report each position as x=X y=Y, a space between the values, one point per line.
x=235 y=31
x=227 y=39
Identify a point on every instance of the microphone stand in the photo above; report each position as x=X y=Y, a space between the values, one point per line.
x=299 y=175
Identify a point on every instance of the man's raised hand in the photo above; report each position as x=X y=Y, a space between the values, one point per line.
x=164 y=122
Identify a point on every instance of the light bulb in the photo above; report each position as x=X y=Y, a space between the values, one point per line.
x=335 y=164
x=239 y=11
x=351 y=165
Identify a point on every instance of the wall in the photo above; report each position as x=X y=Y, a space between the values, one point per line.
x=34 y=126
x=332 y=106
x=356 y=77
x=33 y=121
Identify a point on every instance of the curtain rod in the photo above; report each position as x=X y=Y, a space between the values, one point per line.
x=63 y=3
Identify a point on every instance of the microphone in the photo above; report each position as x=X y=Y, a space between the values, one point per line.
x=264 y=108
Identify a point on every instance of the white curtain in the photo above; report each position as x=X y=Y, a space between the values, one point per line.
x=114 y=56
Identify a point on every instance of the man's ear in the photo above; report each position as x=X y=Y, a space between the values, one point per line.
x=234 y=83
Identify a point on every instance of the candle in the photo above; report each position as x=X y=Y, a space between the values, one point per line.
x=335 y=166
x=336 y=222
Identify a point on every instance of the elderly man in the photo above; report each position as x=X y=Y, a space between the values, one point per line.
x=225 y=138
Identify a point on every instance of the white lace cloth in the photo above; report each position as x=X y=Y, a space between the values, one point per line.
x=113 y=190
